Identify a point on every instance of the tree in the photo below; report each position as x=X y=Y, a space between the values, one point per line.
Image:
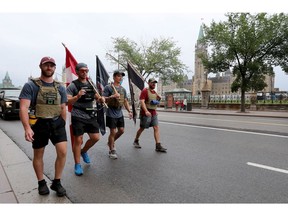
x=159 y=59
x=249 y=45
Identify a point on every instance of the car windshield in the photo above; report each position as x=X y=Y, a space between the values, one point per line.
x=12 y=93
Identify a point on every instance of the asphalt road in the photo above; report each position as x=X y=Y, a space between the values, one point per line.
x=210 y=159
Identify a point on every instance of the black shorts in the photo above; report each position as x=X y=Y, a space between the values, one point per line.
x=46 y=129
x=115 y=122
x=81 y=126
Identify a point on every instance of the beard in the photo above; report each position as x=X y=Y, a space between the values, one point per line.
x=152 y=86
x=47 y=73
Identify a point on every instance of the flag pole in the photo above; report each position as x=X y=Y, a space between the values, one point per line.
x=96 y=91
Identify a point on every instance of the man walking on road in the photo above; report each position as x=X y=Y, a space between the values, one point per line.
x=46 y=99
x=149 y=100
x=116 y=97
x=81 y=95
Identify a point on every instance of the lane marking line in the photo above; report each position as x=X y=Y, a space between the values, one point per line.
x=267 y=167
x=222 y=129
x=227 y=120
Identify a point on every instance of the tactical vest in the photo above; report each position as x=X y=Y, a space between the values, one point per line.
x=116 y=102
x=85 y=102
x=150 y=98
x=48 y=102
x=89 y=95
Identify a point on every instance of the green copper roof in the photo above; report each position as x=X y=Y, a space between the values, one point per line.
x=201 y=34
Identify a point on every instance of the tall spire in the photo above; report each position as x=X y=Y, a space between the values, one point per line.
x=7 y=76
x=201 y=34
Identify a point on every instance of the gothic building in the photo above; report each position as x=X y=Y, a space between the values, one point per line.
x=215 y=84
x=6 y=82
x=221 y=83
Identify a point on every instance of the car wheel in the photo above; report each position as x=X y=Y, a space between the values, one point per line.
x=4 y=116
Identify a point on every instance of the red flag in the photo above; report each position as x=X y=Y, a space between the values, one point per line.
x=70 y=64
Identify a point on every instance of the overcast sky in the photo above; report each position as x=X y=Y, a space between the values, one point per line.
x=29 y=33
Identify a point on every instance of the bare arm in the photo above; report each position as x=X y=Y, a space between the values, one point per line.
x=63 y=111
x=127 y=107
x=144 y=108
x=24 y=117
x=73 y=99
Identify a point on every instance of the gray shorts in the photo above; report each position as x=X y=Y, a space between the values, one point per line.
x=146 y=122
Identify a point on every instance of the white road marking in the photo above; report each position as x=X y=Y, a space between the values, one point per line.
x=227 y=120
x=228 y=130
x=267 y=167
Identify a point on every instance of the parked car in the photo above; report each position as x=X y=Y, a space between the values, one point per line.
x=9 y=103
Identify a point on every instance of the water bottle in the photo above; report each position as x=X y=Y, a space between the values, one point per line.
x=32 y=118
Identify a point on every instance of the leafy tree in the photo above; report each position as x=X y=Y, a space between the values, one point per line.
x=249 y=45
x=159 y=59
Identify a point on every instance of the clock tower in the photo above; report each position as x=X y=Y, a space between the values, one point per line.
x=200 y=74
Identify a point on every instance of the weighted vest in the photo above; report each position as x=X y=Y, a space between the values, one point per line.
x=150 y=98
x=90 y=94
x=48 y=102
x=114 y=102
x=85 y=102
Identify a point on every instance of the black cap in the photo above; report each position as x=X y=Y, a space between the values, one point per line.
x=80 y=65
x=118 y=72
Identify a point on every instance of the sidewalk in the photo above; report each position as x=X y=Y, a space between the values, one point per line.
x=18 y=182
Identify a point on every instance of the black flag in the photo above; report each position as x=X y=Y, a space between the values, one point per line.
x=102 y=78
x=136 y=78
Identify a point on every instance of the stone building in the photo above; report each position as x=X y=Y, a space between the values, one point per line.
x=6 y=82
x=212 y=84
x=221 y=83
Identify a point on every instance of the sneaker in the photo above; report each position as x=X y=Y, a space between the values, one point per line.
x=56 y=186
x=78 y=170
x=42 y=188
x=112 y=154
x=85 y=157
x=159 y=148
x=136 y=144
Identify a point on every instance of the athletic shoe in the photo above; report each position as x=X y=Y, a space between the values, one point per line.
x=112 y=154
x=42 y=188
x=85 y=157
x=159 y=148
x=136 y=144
x=60 y=190
x=78 y=169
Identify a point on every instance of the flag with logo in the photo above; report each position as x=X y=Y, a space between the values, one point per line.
x=134 y=77
x=70 y=64
x=102 y=78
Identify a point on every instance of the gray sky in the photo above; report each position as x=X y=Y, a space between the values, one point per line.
x=29 y=33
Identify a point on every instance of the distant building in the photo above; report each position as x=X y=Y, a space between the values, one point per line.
x=220 y=84
x=6 y=82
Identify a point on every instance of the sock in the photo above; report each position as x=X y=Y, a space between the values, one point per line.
x=56 y=181
x=42 y=182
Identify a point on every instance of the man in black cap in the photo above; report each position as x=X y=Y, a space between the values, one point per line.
x=116 y=97
x=81 y=95
x=149 y=100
